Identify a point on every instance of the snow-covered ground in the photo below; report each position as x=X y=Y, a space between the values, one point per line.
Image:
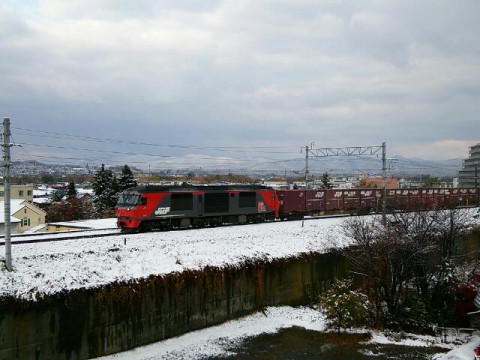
x=47 y=268
x=217 y=340
x=98 y=224
x=51 y=267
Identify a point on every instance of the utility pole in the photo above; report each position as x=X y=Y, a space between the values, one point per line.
x=6 y=159
x=306 y=167
x=384 y=183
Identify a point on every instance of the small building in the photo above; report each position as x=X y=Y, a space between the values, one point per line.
x=24 y=192
x=24 y=216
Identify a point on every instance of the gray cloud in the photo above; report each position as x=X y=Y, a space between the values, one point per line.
x=222 y=73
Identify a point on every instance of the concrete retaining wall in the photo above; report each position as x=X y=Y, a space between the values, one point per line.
x=83 y=324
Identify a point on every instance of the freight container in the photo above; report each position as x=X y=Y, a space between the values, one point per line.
x=292 y=203
x=391 y=198
x=414 y=199
x=428 y=198
x=351 y=199
x=370 y=199
x=315 y=204
x=334 y=200
x=470 y=197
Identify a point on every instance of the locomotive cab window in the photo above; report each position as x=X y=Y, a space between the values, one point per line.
x=182 y=202
x=247 y=199
x=126 y=199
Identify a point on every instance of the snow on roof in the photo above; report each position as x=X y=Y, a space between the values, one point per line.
x=51 y=267
x=82 y=191
x=42 y=200
x=15 y=205
x=43 y=192
x=34 y=229
x=13 y=219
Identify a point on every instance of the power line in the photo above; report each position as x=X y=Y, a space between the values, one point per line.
x=94 y=150
x=253 y=162
x=56 y=135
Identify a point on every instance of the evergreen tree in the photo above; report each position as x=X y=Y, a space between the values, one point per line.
x=71 y=190
x=105 y=187
x=126 y=180
x=326 y=180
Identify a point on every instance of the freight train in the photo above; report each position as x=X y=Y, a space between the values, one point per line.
x=146 y=208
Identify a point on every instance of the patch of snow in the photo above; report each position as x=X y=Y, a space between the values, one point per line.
x=34 y=229
x=463 y=352
x=216 y=340
x=98 y=224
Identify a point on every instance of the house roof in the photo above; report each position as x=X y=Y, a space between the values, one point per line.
x=390 y=183
x=15 y=206
x=42 y=200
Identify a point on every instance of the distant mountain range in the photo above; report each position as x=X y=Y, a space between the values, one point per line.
x=341 y=165
x=397 y=166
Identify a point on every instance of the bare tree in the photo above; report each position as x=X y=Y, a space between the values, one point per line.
x=410 y=254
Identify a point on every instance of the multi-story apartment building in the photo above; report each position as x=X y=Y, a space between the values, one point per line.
x=21 y=192
x=469 y=175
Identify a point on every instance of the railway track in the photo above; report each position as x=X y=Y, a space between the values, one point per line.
x=50 y=237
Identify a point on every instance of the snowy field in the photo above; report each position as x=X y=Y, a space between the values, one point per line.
x=48 y=268
x=216 y=340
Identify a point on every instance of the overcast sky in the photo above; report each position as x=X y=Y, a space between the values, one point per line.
x=265 y=77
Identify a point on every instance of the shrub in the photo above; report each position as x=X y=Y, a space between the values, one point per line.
x=344 y=307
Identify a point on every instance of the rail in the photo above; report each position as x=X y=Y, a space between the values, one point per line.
x=50 y=237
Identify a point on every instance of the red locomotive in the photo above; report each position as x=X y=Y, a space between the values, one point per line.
x=165 y=207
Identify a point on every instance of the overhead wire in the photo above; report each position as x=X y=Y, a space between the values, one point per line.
x=96 y=139
x=64 y=136
x=400 y=165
